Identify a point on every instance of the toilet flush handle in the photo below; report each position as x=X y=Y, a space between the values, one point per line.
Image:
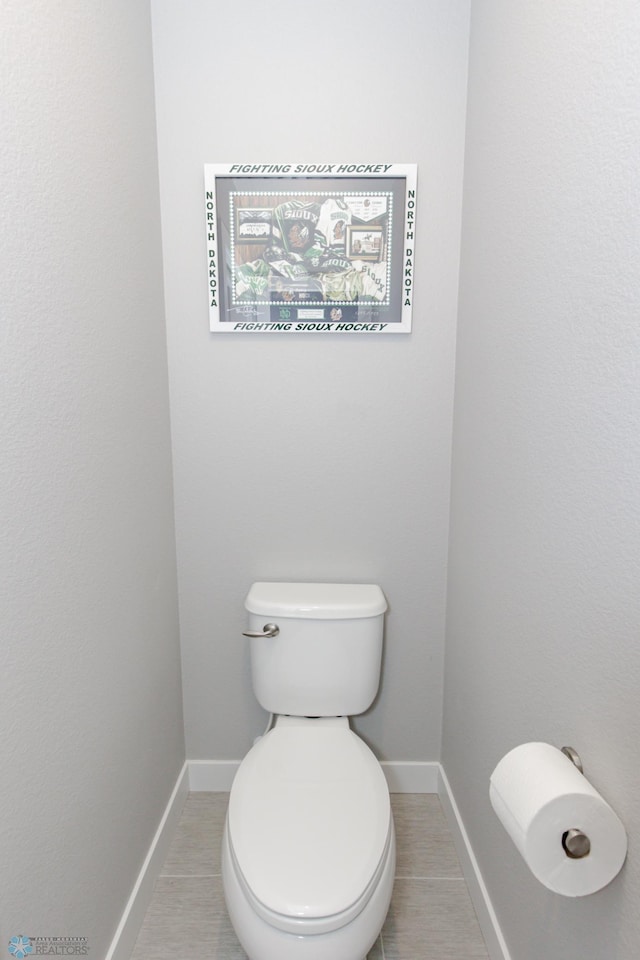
x=269 y=630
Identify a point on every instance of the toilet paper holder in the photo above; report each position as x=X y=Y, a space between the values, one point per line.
x=575 y=843
x=573 y=756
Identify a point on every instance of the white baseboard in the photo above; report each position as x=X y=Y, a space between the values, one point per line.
x=129 y=927
x=212 y=775
x=487 y=919
x=409 y=776
x=402 y=776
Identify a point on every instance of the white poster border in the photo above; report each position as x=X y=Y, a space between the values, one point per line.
x=302 y=318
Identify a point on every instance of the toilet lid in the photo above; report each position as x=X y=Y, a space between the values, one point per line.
x=308 y=818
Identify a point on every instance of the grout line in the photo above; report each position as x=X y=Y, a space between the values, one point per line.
x=458 y=879
x=206 y=876
x=203 y=876
x=384 y=956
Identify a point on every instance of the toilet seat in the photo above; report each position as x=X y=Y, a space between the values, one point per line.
x=309 y=824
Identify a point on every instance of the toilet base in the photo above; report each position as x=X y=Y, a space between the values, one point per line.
x=261 y=941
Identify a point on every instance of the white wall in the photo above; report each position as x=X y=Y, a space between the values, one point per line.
x=89 y=664
x=311 y=458
x=544 y=563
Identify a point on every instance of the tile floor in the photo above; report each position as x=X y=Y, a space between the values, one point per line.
x=431 y=916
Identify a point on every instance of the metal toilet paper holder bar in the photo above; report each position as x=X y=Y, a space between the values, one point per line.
x=575 y=842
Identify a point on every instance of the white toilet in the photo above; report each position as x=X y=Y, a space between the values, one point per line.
x=308 y=854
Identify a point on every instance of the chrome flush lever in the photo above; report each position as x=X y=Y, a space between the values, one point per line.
x=269 y=630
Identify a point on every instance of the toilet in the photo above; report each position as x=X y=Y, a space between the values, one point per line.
x=308 y=855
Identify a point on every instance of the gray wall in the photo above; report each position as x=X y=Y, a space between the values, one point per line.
x=90 y=704
x=315 y=458
x=309 y=457
x=544 y=565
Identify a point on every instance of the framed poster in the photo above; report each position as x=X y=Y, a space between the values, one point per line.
x=310 y=248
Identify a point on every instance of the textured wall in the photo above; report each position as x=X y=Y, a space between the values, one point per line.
x=543 y=606
x=311 y=458
x=89 y=664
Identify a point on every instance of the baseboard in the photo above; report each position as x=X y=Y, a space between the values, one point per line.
x=402 y=776
x=129 y=927
x=411 y=776
x=212 y=775
x=496 y=946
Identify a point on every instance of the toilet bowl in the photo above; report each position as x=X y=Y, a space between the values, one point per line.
x=308 y=856
x=309 y=844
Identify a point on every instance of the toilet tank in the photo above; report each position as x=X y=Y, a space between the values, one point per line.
x=325 y=659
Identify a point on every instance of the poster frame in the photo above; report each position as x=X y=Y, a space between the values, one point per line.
x=368 y=286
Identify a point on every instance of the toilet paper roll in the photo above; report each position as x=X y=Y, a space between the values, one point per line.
x=539 y=795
